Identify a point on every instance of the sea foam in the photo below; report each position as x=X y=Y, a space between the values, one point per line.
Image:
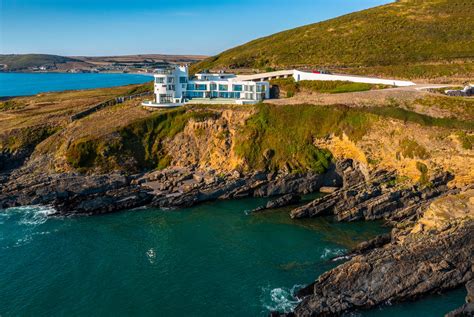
x=280 y=299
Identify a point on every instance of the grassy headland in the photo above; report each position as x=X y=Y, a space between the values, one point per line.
x=407 y=39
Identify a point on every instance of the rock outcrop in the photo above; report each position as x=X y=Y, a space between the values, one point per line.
x=397 y=272
x=379 y=197
x=170 y=188
x=428 y=255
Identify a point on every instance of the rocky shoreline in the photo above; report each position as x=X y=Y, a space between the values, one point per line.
x=170 y=188
x=415 y=259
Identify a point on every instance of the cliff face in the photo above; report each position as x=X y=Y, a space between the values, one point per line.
x=209 y=143
x=294 y=138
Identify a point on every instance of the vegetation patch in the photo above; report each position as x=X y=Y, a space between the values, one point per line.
x=137 y=146
x=289 y=87
x=140 y=89
x=461 y=107
x=25 y=137
x=410 y=148
x=467 y=140
x=11 y=105
x=282 y=137
x=411 y=116
x=423 y=169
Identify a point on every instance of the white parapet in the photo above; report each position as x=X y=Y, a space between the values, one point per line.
x=299 y=75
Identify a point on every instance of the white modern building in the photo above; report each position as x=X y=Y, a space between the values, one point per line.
x=173 y=87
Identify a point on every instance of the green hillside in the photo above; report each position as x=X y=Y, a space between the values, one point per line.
x=24 y=61
x=414 y=32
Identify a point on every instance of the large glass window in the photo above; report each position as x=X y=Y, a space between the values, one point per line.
x=237 y=88
x=213 y=86
x=201 y=87
x=214 y=94
x=191 y=87
x=183 y=80
x=170 y=80
x=223 y=87
x=194 y=94
x=160 y=80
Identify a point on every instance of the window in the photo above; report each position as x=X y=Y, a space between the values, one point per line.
x=160 y=80
x=183 y=80
x=201 y=87
x=191 y=87
x=260 y=88
x=237 y=88
x=194 y=94
x=223 y=87
x=170 y=80
x=214 y=94
x=171 y=87
x=213 y=87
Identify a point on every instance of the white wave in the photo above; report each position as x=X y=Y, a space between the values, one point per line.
x=331 y=253
x=280 y=299
x=32 y=215
x=151 y=255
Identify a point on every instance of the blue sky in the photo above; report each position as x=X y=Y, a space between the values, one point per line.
x=119 y=27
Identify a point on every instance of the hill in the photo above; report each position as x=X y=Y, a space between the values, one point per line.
x=425 y=35
x=24 y=61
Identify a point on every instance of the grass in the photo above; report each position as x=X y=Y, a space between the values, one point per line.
x=401 y=39
x=26 y=137
x=467 y=140
x=54 y=109
x=460 y=107
x=290 y=87
x=282 y=137
x=422 y=119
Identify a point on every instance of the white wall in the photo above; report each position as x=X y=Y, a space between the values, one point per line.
x=299 y=75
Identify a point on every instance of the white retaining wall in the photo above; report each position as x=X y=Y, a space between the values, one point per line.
x=299 y=75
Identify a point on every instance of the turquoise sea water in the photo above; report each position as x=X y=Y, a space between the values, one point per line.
x=209 y=260
x=23 y=84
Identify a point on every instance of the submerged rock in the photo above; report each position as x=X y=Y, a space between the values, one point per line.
x=283 y=201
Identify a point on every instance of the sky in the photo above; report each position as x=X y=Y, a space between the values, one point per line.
x=121 y=27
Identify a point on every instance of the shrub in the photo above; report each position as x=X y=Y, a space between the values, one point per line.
x=410 y=148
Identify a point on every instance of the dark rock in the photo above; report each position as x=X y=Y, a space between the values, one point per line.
x=375 y=199
x=420 y=264
x=377 y=242
x=283 y=201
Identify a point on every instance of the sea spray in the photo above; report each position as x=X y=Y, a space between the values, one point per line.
x=281 y=299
